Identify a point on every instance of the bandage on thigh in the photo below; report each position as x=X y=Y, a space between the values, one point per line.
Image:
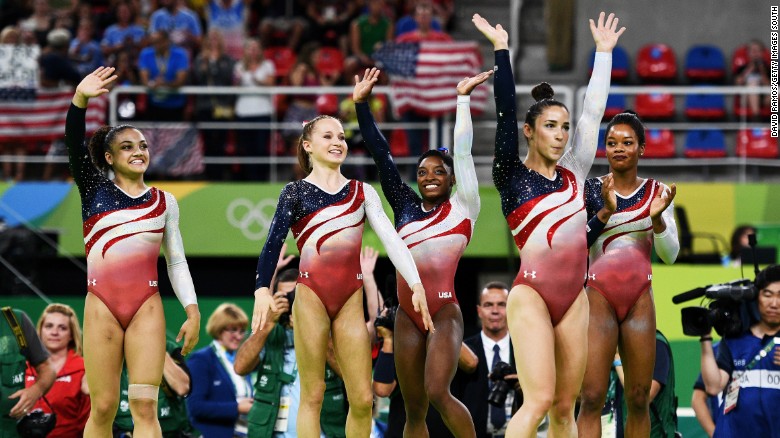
x=137 y=391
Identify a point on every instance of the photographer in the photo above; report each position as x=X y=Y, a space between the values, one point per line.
x=271 y=352
x=748 y=367
x=20 y=343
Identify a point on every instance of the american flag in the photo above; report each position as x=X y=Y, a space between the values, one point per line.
x=176 y=150
x=423 y=75
x=28 y=115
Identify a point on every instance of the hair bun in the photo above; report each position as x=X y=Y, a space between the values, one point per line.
x=632 y=112
x=542 y=91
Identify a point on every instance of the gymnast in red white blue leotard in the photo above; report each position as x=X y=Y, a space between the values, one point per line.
x=542 y=200
x=628 y=217
x=326 y=213
x=125 y=225
x=436 y=228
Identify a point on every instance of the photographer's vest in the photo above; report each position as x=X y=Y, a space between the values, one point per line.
x=268 y=389
x=663 y=409
x=12 y=366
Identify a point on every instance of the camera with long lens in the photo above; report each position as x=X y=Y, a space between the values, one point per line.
x=284 y=318
x=501 y=386
x=36 y=424
x=388 y=319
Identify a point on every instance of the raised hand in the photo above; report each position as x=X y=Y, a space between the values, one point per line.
x=421 y=306
x=264 y=303
x=467 y=85
x=605 y=34
x=363 y=87
x=93 y=85
x=496 y=35
x=368 y=257
x=661 y=201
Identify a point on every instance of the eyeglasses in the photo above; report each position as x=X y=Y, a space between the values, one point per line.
x=238 y=330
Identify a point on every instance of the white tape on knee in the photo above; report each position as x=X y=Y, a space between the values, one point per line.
x=136 y=391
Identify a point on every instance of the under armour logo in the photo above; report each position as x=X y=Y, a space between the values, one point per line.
x=360 y=276
x=91 y=282
x=527 y=274
x=304 y=274
x=649 y=277
x=591 y=276
x=153 y=283
x=445 y=294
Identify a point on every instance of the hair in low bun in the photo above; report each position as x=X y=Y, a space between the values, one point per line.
x=542 y=91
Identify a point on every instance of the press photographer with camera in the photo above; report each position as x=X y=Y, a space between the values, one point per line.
x=19 y=344
x=747 y=366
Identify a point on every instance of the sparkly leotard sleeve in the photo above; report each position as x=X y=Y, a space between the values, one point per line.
x=122 y=231
x=627 y=240
x=546 y=216
x=436 y=238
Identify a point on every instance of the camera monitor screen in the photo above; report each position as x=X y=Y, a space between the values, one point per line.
x=765 y=255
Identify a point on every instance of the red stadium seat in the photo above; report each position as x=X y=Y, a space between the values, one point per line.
x=756 y=143
x=601 y=150
x=329 y=60
x=740 y=58
x=655 y=106
x=282 y=57
x=659 y=143
x=656 y=63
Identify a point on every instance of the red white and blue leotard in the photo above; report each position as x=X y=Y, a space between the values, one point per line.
x=620 y=257
x=438 y=237
x=328 y=229
x=547 y=216
x=123 y=234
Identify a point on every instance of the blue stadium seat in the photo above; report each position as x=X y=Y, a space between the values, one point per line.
x=705 y=63
x=620 y=64
x=705 y=107
x=601 y=151
x=616 y=104
x=705 y=143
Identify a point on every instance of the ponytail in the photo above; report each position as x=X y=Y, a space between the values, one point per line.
x=100 y=143
x=303 y=157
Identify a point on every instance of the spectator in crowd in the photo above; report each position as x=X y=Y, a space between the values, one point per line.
x=408 y=23
x=330 y=20
x=229 y=18
x=163 y=68
x=85 y=53
x=12 y=35
x=40 y=22
x=16 y=400
x=755 y=73
x=271 y=352
x=181 y=23
x=68 y=398
x=55 y=66
x=739 y=241
x=663 y=401
x=123 y=36
x=213 y=67
x=283 y=19
x=742 y=364
x=221 y=398
x=253 y=70
x=300 y=107
x=705 y=406
x=365 y=33
x=171 y=409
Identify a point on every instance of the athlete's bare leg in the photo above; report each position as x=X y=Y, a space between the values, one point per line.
x=533 y=339
x=145 y=355
x=409 y=346
x=311 y=346
x=103 y=353
x=602 y=344
x=571 y=355
x=637 y=352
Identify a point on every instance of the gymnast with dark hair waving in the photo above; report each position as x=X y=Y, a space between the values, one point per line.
x=541 y=198
x=628 y=216
x=436 y=227
x=326 y=213
x=125 y=224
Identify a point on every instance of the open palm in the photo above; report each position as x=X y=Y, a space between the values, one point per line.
x=363 y=87
x=496 y=35
x=605 y=33
x=94 y=84
x=662 y=200
x=467 y=85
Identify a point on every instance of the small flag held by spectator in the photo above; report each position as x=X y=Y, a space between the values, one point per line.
x=424 y=75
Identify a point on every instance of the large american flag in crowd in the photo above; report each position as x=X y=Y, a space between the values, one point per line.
x=423 y=75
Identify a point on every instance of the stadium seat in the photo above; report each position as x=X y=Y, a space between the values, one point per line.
x=601 y=151
x=756 y=143
x=616 y=104
x=656 y=63
x=659 y=143
x=741 y=110
x=705 y=63
x=705 y=107
x=655 y=105
x=620 y=64
x=282 y=57
x=329 y=60
x=740 y=58
x=705 y=143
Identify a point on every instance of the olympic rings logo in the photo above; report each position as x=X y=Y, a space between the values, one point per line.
x=254 y=220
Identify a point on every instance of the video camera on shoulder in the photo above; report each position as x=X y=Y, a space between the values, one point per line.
x=501 y=386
